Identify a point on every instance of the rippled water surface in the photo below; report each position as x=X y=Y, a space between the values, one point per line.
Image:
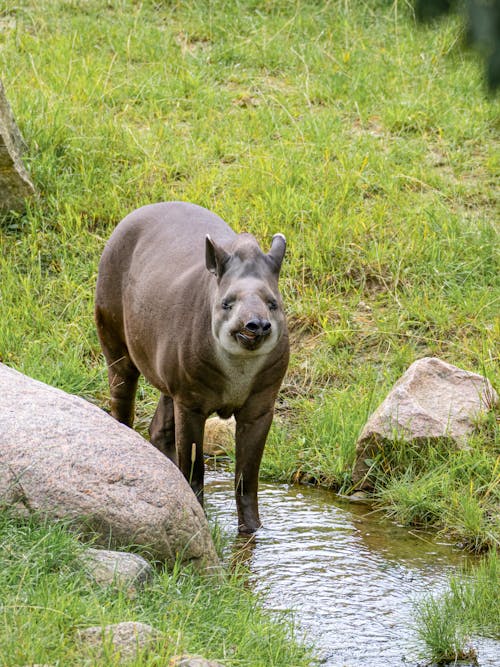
x=349 y=575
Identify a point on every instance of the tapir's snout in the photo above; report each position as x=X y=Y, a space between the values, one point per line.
x=253 y=332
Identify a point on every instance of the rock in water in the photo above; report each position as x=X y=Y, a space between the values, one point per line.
x=432 y=400
x=15 y=184
x=66 y=458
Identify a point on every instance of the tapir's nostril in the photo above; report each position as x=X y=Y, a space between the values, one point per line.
x=258 y=327
x=253 y=326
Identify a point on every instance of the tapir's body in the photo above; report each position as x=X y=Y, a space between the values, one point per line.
x=195 y=308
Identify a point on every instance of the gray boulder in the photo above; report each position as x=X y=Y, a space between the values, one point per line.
x=123 y=640
x=117 y=568
x=15 y=184
x=66 y=458
x=432 y=400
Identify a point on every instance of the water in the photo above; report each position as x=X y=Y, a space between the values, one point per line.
x=349 y=575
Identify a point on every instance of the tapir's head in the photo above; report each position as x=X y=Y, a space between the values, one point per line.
x=247 y=316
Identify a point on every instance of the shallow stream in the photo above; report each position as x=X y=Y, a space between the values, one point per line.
x=349 y=575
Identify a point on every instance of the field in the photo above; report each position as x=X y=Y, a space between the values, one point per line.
x=367 y=140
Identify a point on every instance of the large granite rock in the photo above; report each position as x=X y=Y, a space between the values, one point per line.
x=15 y=184
x=432 y=400
x=66 y=458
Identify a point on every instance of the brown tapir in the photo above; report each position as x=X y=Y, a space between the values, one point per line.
x=195 y=308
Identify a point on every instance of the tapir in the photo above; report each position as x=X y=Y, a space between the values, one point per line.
x=195 y=308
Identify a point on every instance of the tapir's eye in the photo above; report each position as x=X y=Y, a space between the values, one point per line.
x=226 y=304
x=273 y=305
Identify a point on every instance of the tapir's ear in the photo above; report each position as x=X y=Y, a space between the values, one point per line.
x=215 y=257
x=277 y=251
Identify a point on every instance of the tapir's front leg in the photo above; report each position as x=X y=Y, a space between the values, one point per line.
x=189 y=427
x=253 y=422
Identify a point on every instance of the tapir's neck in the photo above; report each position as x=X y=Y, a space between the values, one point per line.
x=239 y=373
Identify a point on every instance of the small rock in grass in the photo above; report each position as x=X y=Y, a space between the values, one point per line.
x=432 y=401
x=123 y=639
x=117 y=568
x=219 y=436
x=193 y=661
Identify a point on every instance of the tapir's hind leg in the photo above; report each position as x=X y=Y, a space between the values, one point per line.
x=123 y=377
x=122 y=373
x=162 y=428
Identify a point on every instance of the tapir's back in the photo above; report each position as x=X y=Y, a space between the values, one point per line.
x=153 y=280
x=151 y=249
x=173 y=232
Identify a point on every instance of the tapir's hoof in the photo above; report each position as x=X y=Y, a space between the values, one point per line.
x=244 y=529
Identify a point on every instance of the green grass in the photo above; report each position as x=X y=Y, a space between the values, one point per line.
x=313 y=438
x=368 y=141
x=47 y=596
x=435 y=485
x=470 y=607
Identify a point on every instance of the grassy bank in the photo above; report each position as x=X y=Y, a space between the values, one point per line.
x=470 y=607
x=368 y=141
x=47 y=597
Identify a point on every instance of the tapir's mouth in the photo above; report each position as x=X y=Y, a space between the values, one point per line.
x=249 y=339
